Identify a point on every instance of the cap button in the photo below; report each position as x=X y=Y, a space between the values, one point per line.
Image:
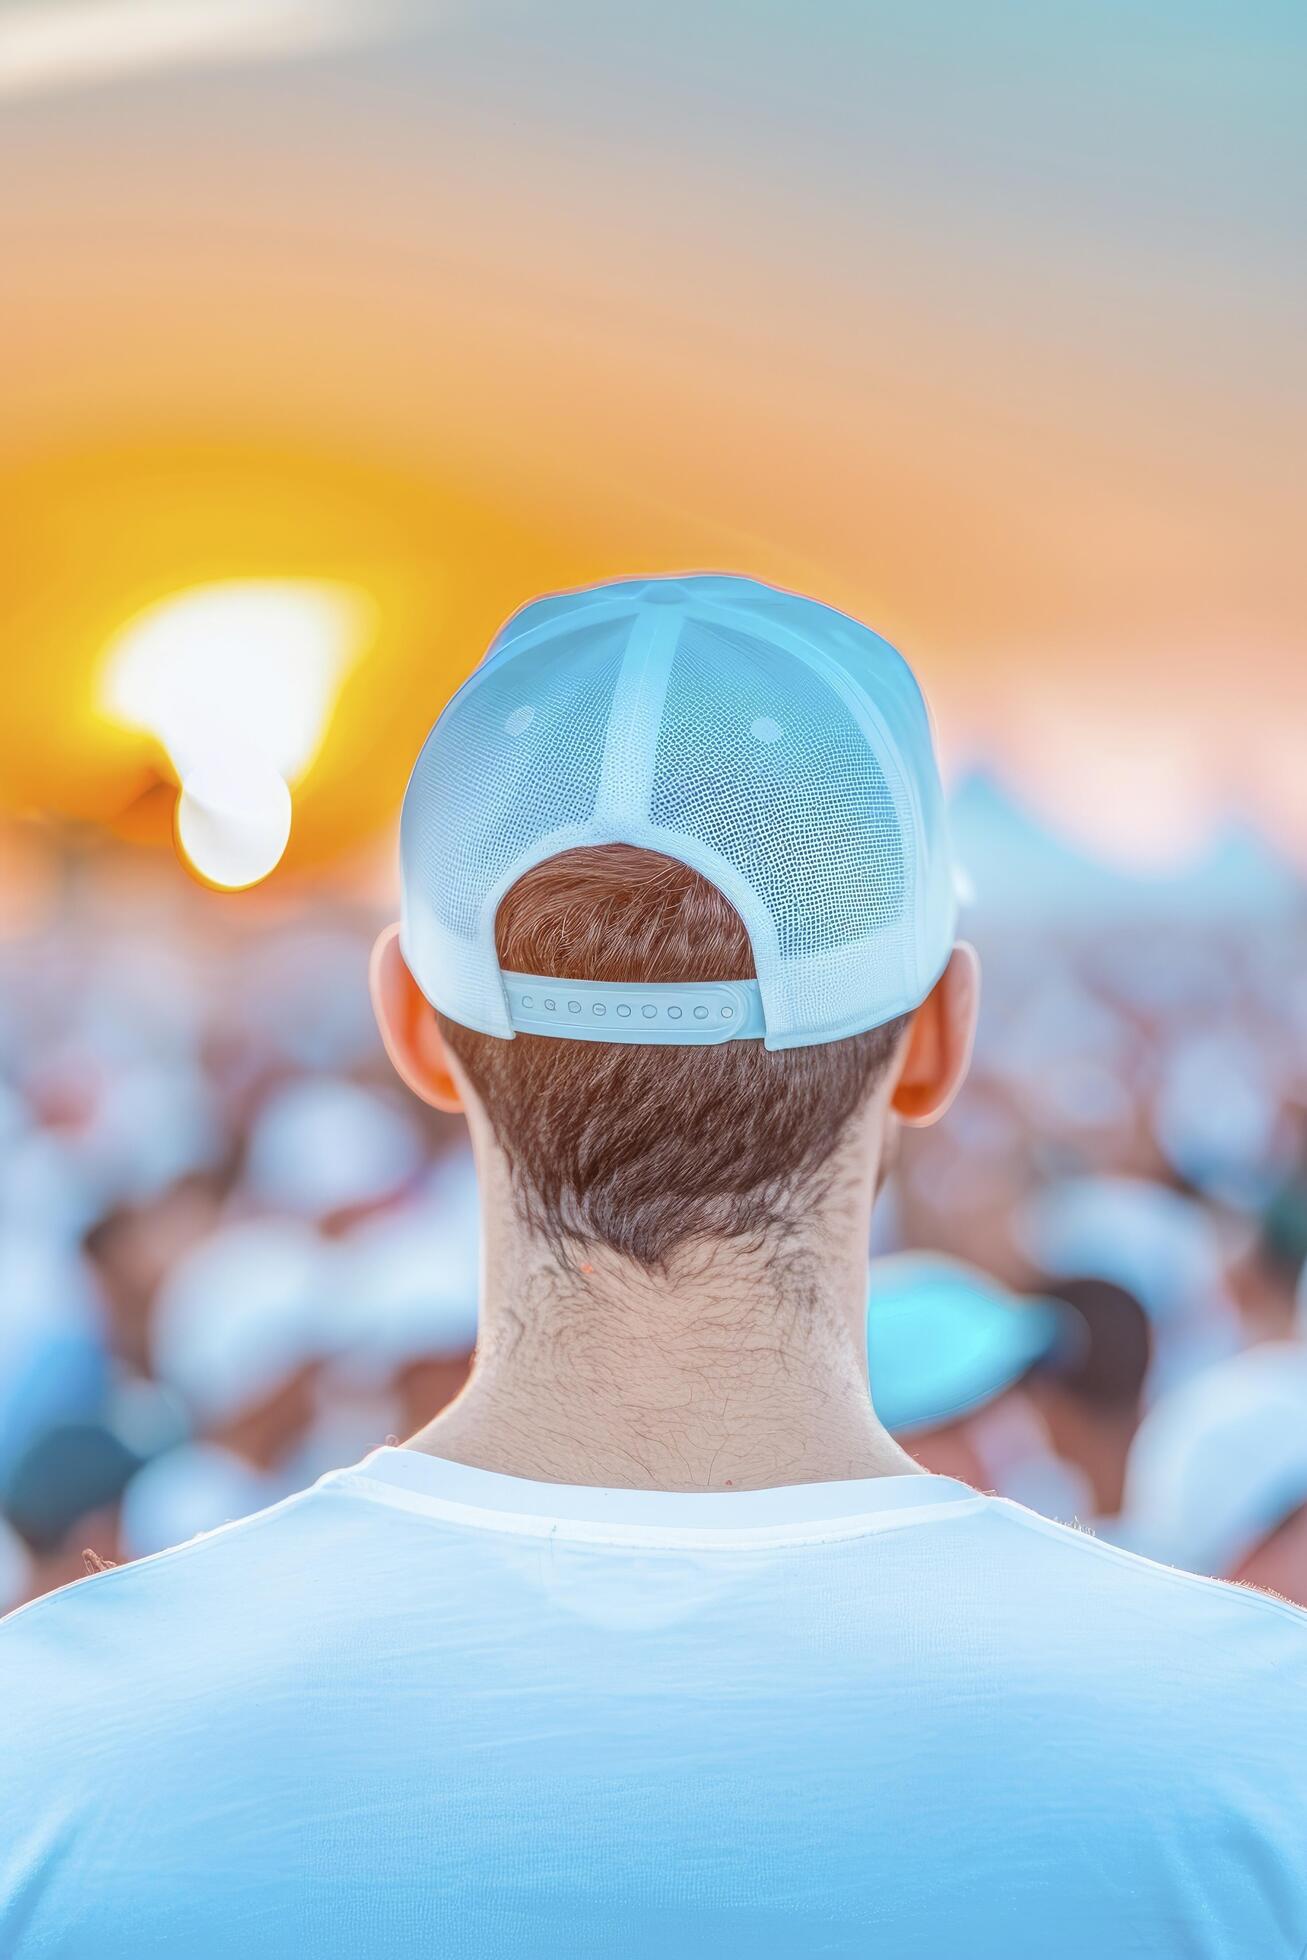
x=664 y=592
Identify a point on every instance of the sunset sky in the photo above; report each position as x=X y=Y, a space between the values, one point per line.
x=985 y=323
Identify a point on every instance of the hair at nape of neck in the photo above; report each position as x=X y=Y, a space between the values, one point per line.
x=645 y=1150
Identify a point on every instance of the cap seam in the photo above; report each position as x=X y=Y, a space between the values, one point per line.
x=636 y=708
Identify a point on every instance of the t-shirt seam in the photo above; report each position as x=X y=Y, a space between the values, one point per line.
x=457 y=1514
x=1027 y=1520
x=419 y=1503
x=136 y=1565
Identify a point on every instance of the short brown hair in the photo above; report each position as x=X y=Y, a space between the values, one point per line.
x=644 y=1149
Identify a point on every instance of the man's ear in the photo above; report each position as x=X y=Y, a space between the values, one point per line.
x=937 y=1052
x=409 y=1028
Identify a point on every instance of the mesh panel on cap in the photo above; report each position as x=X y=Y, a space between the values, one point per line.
x=780 y=748
x=518 y=754
x=762 y=761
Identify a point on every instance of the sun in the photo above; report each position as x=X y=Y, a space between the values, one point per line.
x=237 y=681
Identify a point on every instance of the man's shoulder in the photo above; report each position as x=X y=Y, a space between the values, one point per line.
x=1135 y=1595
x=144 y=1614
x=237 y=1584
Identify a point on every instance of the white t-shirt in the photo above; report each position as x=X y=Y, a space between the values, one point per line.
x=421 y=1710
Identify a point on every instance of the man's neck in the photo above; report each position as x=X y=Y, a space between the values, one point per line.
x=741 y=1368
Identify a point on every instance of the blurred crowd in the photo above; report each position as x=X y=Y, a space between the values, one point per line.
x=233 y=1255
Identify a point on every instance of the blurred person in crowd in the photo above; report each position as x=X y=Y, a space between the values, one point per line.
x=240 y=1334
x=18 y=1580
x=1277 y=1563
x=1217 y=1115
x=240 y=1325
x=302 y=1000
x=135 y=1246
x=129 y=1126
x=54 y=1363
x=1089 y=1385
x=327 y=1149
x=950 y=1355
x=407 y=1299
x=1156 y=1244
x=1217 y=1478
x=1267 y=1278
x=62 y=1499
x=41 y=1183
x=654 y=1640
x=957 y=1186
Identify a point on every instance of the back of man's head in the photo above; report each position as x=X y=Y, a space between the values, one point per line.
x=1102 y=1362
x=676 y=879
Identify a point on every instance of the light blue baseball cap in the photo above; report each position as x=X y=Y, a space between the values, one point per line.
x=774 y=745
x=943 y=1339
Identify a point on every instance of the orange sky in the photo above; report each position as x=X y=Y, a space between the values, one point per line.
x=1004 y=361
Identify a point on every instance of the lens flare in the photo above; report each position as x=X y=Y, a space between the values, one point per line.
x=233 y=819
x=237 y=681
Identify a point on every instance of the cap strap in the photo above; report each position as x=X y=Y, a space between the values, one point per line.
x=666 y=1014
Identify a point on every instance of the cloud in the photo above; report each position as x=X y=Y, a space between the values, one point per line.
x=49 y=45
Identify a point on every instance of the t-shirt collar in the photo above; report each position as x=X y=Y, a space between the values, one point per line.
x=783 y=1512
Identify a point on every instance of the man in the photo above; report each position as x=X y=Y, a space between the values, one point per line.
x=1156 y=1244
x=1217 y=1476
x=654 y=1642
x=953 y=1357
x=1089 y=1388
